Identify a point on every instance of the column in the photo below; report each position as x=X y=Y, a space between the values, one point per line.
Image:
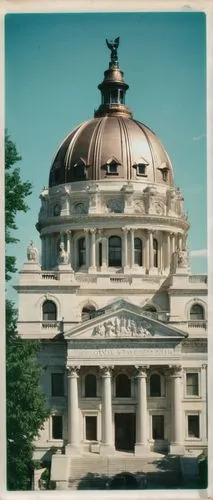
x=176 y=446
x=125 y=263
x=73 y=446
x=141 y=445
x=204 y=395
x=132 y=247
x=42 y=252
x=173 y=243
x=150 y=249
x=161 y=241
x=180 y=241
x=147 y=251
x=107 y=445
x=45 y=253
x=93 y=251
x=87 y=237
x=168 y=251
x=104 y=254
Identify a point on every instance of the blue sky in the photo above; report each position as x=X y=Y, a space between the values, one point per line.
x=53 y=64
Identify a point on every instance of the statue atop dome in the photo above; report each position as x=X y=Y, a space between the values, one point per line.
x=113 y=46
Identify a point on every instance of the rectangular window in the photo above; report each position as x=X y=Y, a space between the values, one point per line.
x=193 y=426
x=157 y=426
x=91 y=428
x=57 y=384
x=57 y=427
x=192 y=387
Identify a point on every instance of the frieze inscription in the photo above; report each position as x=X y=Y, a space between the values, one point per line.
x=122 y=353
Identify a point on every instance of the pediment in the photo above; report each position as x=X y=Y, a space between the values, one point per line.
x=124 y=322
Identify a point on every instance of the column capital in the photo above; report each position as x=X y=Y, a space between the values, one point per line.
x=93 y=230
x=73 y=371
x=141 y=371
x=86 y=230
x=106 y=371
x=125 y=230
x=175 y=371
x=68 y=232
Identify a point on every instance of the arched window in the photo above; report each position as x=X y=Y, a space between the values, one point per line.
x=123 y=386
x=155 y=253
x=115 y=259
x=138 y=252
x=87 y=312
x=81 y=252
x=90 y=386
x=49 y=311
x=155 y=385
x=150 y=310
x=196 y=312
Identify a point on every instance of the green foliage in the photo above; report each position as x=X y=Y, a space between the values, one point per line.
x=26 y=405
x=15 y=193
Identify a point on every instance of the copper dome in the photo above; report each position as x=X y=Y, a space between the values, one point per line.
x=90 y=149
x=112 y=145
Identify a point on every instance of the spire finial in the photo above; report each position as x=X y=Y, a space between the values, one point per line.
x=113 y=46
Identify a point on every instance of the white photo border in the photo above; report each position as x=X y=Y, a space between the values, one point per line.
x=89 y=6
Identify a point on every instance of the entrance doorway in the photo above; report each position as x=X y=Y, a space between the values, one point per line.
x=125 y=431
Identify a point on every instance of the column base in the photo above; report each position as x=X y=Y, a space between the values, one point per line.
x=176 y=449
x=126 y=269
x=72 y=449
x=104 y=268
x=142 y=450
x=107 y=449
x=92 y=270
x=154 y=271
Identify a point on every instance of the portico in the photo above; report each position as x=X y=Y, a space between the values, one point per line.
x=112 y=371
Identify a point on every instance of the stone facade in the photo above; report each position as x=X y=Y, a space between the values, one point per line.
x=122 y=320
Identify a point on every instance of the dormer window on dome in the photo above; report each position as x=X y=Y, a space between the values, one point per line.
x=164 y=170
x=112 y=166
x=80 y=170
x=140 y=167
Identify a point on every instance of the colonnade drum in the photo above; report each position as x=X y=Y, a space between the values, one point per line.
x=139 y=250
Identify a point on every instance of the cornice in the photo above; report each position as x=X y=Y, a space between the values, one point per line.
x=163 y=223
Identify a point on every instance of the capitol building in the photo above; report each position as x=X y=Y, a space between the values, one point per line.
x=121 y=319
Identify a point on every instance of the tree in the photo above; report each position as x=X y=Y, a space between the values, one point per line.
x=15 y=193
x=26 y=405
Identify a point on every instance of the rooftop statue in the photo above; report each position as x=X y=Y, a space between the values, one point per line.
x=32 y=252
x=113 y=46
x=63 y=257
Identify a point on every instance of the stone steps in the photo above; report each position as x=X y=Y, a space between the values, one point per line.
x=165 y=471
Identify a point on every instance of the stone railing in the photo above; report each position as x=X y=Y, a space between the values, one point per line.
x=197 y=324
x=120 y=279
x=50 y=275
x=198 y=278
x=190 y=325
x=52 y=325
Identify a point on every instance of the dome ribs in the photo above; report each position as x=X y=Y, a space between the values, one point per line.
x=106 y=137
x=97 y=138
x=123 y=127
x=70 y=149
x=150 y=147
